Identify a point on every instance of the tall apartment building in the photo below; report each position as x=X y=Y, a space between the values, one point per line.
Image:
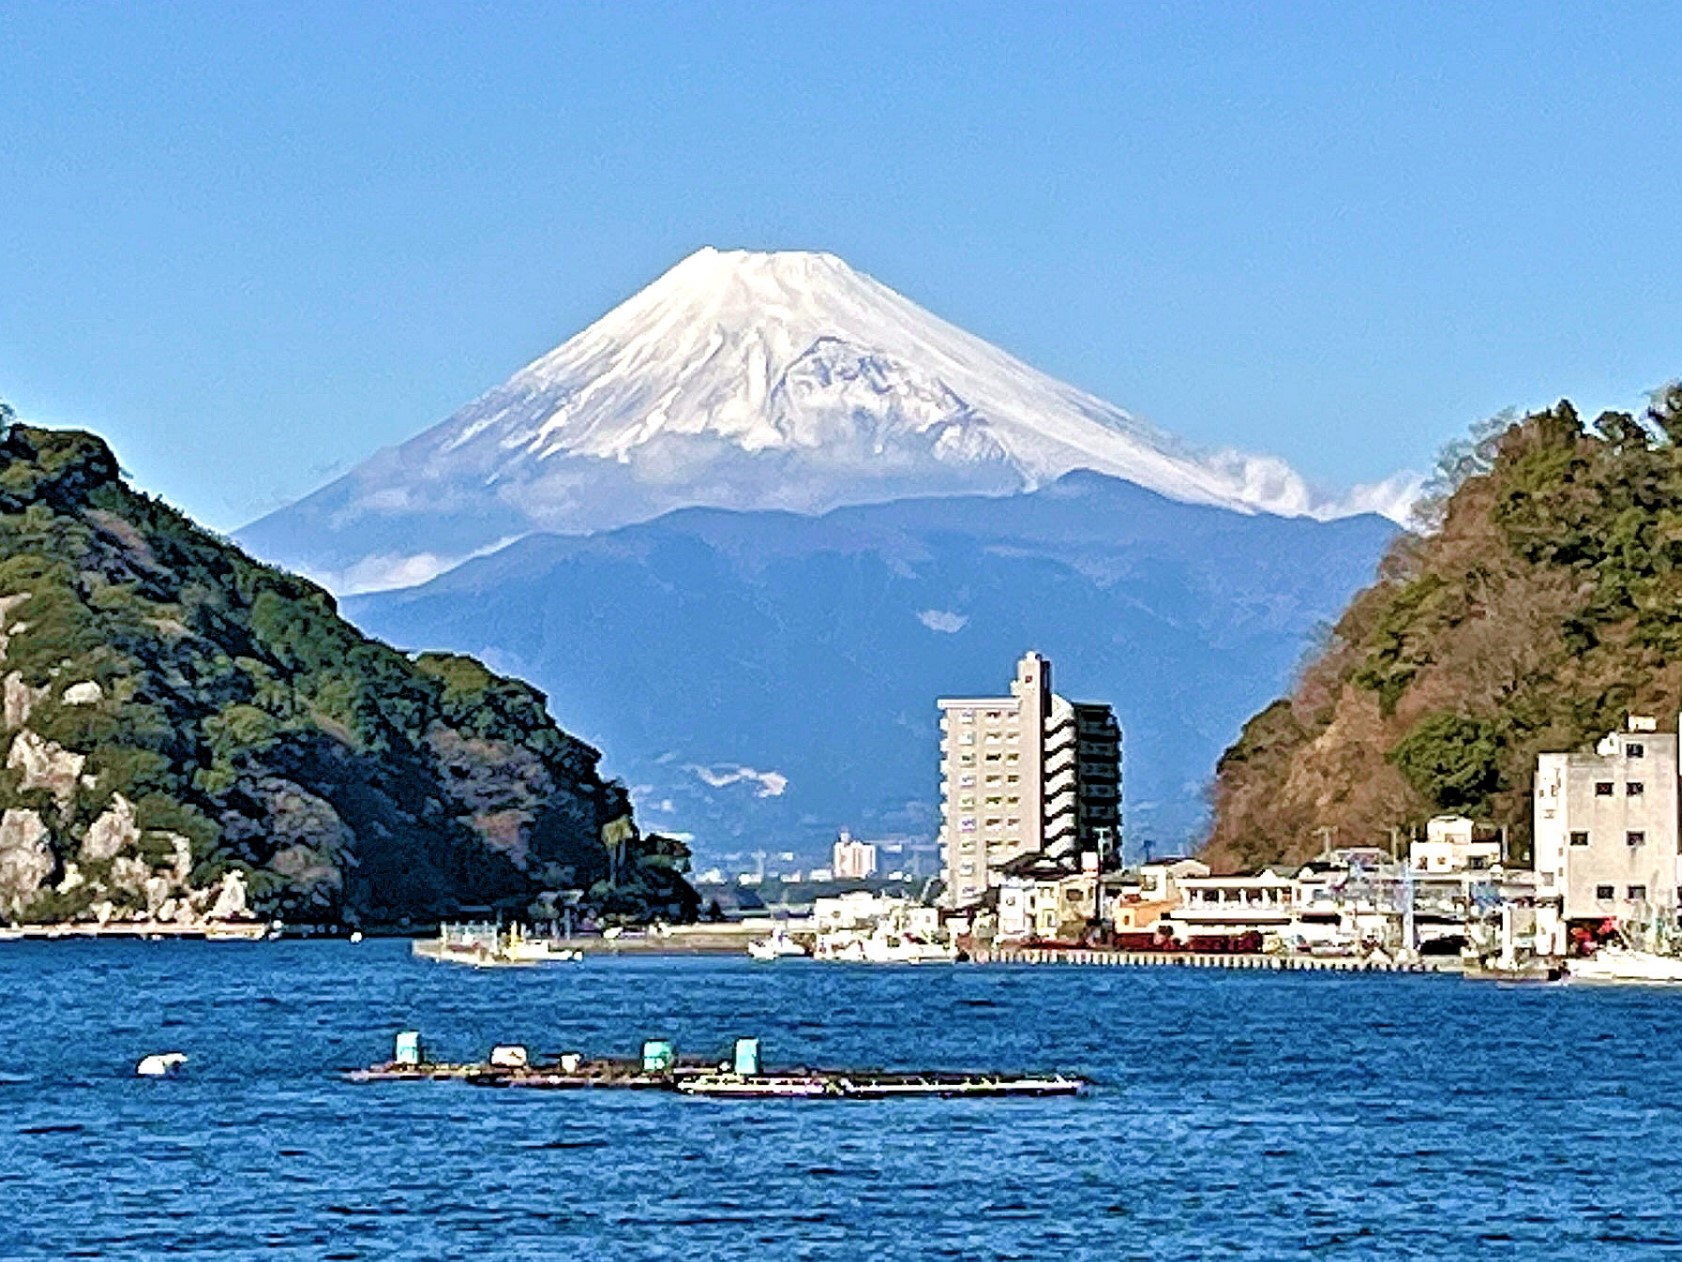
x=1030 y=774
x=852 y=860
x=1607 y=826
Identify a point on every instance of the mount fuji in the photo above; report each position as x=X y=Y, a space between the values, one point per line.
x=745 y=528
x=744 y=380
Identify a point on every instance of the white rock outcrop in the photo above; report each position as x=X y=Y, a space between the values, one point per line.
x=46 y=765
x=17 y=701
x=112 y=833
x=71 y=880
x=181 y=857
x=26 y=860
x=230 y=898
x=7 y=628
x=85 y=693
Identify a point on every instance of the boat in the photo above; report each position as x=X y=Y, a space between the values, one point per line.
x=1627 y=965
x=9 y=933
x=778 y=946
x=235 y=931
x=491 y=946
x=884 y=946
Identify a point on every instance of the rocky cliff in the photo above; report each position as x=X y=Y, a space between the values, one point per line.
x=189 y=734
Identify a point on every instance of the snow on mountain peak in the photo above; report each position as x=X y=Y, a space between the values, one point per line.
x=747 y=379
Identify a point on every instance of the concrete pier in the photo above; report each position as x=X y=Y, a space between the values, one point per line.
x=1094 y=957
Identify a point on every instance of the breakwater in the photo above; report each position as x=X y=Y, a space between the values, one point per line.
x=1094 y=957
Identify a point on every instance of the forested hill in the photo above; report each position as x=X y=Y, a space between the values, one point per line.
x=1542 y=602
x=185 y=730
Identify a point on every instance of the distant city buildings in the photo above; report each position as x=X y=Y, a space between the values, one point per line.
x=1607 y=826
x=1026 y=777
x=852 y=860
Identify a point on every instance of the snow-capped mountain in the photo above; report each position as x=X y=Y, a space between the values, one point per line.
x=749 y=381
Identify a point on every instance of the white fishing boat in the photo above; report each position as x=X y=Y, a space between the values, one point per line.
x=1626 y=965
x=884 y=945
x=778 y=946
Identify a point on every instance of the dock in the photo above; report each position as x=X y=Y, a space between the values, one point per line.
x=738 y=1077
x=1097 y=957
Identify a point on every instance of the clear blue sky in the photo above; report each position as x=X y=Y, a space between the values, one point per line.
x=252 y=243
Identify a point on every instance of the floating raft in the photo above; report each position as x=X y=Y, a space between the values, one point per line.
x=738 y=1079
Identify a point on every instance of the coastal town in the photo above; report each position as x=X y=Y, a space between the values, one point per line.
x=1033 y=868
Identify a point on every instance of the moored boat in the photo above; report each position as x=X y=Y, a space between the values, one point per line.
x=1627 y=965
x=777 y=946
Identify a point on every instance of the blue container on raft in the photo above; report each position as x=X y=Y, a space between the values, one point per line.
x=658 y=1056
x=747 y=1057
x=408 y=1051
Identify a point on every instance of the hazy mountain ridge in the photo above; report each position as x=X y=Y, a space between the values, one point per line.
x=796 y=660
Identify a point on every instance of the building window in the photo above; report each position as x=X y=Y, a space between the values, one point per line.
x=1604 y=893
x=1638 y=892
x=966 y=825
x=1635 y=750
x=1636 y=838
x=1603 y=788
x=1579 y=839
x=1635 y=788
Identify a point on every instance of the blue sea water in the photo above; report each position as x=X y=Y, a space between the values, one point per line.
x=1238 y=1115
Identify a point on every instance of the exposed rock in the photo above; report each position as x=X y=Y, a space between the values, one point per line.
x=7 y=604
x=72 y=879
x=25 y=858
x=158 y=891
x=230 y=899
x=181 y=857
x=18 y=701
x=128 y=875
x=85 y=693
x=112 y=833
x=46 y=765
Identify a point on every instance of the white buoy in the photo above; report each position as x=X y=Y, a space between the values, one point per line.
x=356 y=937
x=160 y=1065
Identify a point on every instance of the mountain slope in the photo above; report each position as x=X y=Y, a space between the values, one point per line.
x=764 y=678
x=187 y=731
x=1543 y=608
x=741 y=380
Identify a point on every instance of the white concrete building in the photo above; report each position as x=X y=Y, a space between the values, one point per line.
x=1607 y=826
x=1261 y=901
x=1454 y=843
x=1026 y=774
x=1039 y=898
x=852 y=860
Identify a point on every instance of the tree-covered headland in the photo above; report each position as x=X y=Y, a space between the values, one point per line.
x=184 y=727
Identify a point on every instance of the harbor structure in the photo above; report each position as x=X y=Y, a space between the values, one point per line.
x=1607 y=826
x=1028 y=774
x=852 y=860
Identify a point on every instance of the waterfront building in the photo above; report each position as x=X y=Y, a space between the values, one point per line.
x=1041 y=898
x=1028 y=774
x=1455 y=844
x=1262 y=901
x=1607 y=826
x=852 y=860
